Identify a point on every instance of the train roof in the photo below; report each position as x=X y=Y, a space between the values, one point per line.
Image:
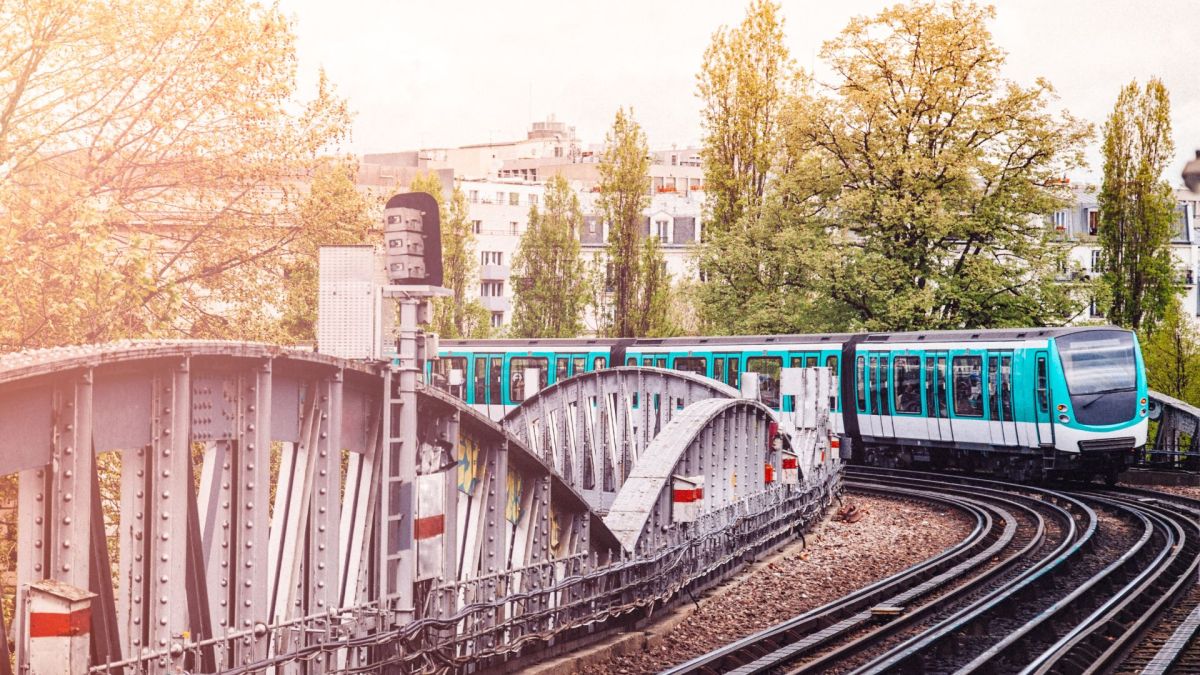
x=997 y=334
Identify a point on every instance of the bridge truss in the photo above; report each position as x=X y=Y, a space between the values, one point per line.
x=226 y=507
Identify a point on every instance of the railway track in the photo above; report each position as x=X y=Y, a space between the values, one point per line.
x=1048 y=581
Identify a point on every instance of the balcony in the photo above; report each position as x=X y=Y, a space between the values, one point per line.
x=494 y=303
x=493 y=272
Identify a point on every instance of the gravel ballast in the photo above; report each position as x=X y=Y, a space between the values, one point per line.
x=840 y=557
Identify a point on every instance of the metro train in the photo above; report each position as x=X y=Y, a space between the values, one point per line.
x=1019 y=403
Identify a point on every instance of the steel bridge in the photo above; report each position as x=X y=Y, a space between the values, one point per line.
x=211 y=507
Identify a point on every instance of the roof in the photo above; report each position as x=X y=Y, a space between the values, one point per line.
x=816 y=338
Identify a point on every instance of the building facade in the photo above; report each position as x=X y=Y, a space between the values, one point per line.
x=1079 y=224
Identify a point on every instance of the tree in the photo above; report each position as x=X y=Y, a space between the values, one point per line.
x=1172 y=354
x=624 y=181
x=939 y=175
x=1137 y=207
x=335 y=213
x=653 y=302
x=457 y=316
x=147 y=157
x=548 y=274
x=743 y=85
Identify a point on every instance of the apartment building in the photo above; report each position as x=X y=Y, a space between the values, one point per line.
x=1080 y=223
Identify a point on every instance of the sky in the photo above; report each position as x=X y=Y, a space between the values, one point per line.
x=445 y=73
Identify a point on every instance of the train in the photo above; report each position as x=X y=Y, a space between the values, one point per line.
x=1023 y=404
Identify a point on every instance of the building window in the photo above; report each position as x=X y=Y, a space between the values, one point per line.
x=662 y=229
x=513 y=227
x=514 y=199
x=492 y=289
x=1094 y=309
x=499 y=197
x=477 y=226
x=474 y=196
x=497 y=319
x=533 y=200
x=1093 y=222
x=1060 y=220
x=1097 y=262
x=493 y=258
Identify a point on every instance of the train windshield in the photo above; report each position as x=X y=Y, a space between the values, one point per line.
x=1096 y=362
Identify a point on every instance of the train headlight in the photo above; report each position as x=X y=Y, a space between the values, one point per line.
x=1062 y=407
x=1143 y=412
x=1064 y=419
x=1143 y=401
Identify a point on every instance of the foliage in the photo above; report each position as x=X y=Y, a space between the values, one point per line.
x=335 y=213
x=1137 y=207
x=1172 y=354
x=459 y=315
x=548 y=275
x=653 y=308
x=743 y=85
x=147 y=157
x=929 y=174
x=624 y=181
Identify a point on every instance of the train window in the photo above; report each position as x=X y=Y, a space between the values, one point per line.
x=810 y=362
x=860 y=381
x=968 y=386
x=692 y=364
x=560 y=368
x=884 y=397
x=768 y=367
x=1043 y=398
x=481 y=379
x=661 y=362
x=442 y=375
x=732 y=375
x=631 y=361
x=516 y=376
x=494 y=380
x=578 y=365
x=993 y=379
x=942 y=396
x=600 y=363
x=1006 y=402
x=907 y=390
x=797 y=362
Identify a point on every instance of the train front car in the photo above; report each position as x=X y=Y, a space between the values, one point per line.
x=1098 y=392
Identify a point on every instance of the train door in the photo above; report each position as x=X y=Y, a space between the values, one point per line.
x=486 y=380
x=874 y=425
x=941 y=388
x=995 y=421
x=886 y=386
x=1041 y=399
x=1007 y=407
x=932 y=428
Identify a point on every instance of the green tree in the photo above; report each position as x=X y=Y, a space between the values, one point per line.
x=149 y=153
x=335 y=213
x=1172 y=354
x=1137 y=207
x=459 y=315
x=654 y=308
x=548 y=275
x=943 y=174
x=624 y=196
x=743 y=85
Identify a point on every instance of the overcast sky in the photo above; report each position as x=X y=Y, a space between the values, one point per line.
x=447 y=73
